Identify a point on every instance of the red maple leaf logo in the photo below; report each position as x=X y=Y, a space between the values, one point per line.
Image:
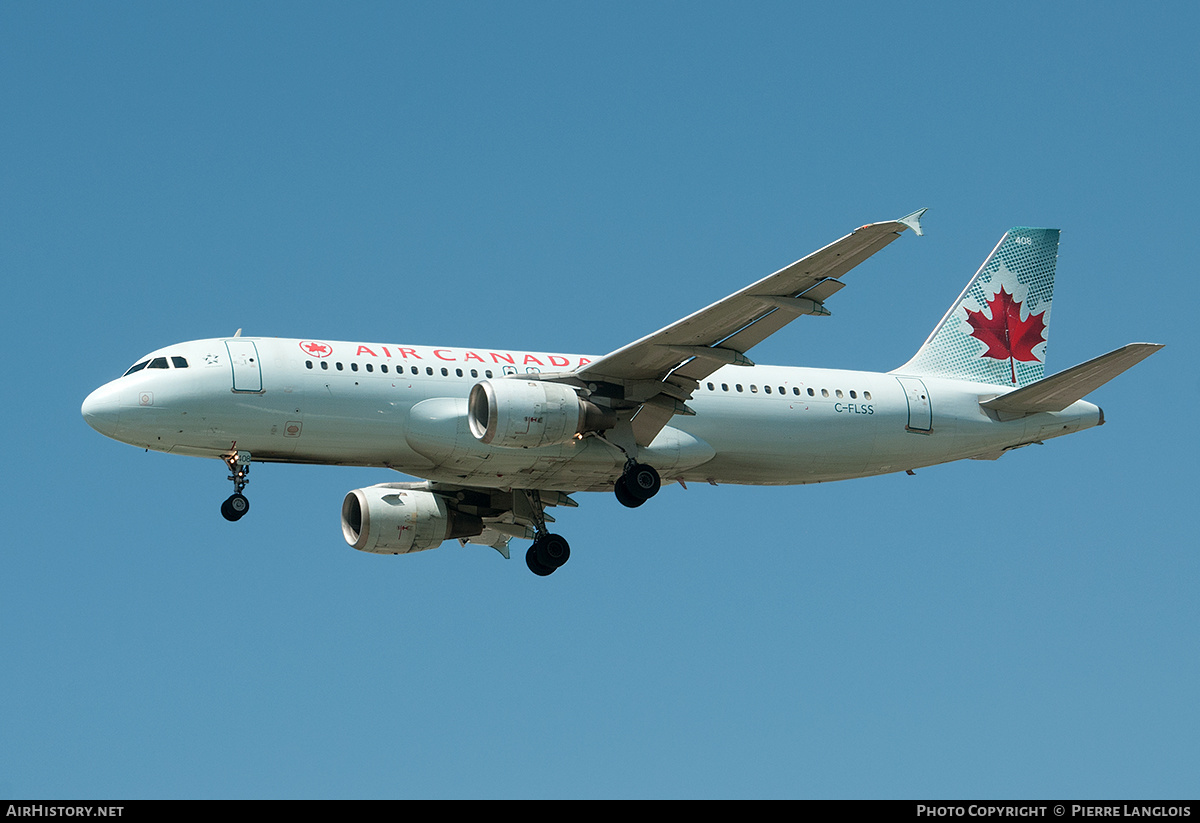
x=1006 y=335
x=315 y=349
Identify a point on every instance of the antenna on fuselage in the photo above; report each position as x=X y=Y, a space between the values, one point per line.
x=237 y=333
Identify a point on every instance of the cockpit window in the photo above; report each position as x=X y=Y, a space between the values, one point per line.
x=159 y=363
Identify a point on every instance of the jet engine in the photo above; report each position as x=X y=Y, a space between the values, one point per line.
x=525 y=414
x=386 y=520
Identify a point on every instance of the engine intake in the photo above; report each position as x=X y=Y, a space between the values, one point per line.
x=525 y=414
x=386 y=520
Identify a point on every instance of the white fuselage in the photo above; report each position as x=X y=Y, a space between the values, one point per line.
x=405 y=408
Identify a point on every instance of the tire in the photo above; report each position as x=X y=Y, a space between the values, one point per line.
x=534 y=564
x=625 y=496
x=235 y=507
x=551 y=550
x=642 y=481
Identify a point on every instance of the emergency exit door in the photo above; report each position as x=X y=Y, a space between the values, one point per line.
x=920 y=416
x=247 y=373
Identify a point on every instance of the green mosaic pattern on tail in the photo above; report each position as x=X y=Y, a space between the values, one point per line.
x=972 y=342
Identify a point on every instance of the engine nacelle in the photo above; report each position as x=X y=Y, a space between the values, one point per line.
x=386 y=520
x=525 y=414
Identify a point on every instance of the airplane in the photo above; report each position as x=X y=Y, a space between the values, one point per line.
x=497 y=437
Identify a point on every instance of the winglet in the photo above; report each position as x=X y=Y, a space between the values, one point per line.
x=913 y=221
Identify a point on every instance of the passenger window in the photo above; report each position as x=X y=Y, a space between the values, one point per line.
x=753 y=389
x=370 y=367
x=852 y=394
x=325 y=364
x=737 y=386
x=353 y=367
x=796 y=390
x=158 y=363
x=767 y=389
x=383 y=367
x=339 y=366
x=458 y=372
x=308 y=364
x=488 y=373
x=445 y=372
x=474 y=372
x=429 y=370
x=824 y=392
x=724 y=387
x=812 y=393
x=178 y=362
x=866 y=395
x=710 y=386
x=137 y=367
x=415 y=370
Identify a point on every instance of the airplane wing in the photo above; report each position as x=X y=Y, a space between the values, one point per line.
x=652 y=378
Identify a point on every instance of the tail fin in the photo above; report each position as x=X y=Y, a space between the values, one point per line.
x=996 y=331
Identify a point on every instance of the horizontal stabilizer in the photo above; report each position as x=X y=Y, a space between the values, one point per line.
x=1055 y=393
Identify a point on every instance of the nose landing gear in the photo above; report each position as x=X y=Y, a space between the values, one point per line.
x=236 y=506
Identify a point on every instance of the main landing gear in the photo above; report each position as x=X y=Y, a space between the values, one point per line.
x=549 y=551
x=237 y=505
x=637 y=484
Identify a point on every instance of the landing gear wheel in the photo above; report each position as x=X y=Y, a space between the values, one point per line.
x=637 y=484
x=625 y=496
x=642 y=481
x=535 y=565
x=235 y=507
x=551 y=550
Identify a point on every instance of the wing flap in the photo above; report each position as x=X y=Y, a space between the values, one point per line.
x=824 y=289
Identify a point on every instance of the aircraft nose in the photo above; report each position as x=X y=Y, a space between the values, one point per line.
x=102 y=410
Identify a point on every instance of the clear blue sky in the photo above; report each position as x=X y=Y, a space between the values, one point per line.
x=569 y=177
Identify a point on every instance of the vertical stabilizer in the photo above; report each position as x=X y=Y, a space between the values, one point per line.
x=996 y=331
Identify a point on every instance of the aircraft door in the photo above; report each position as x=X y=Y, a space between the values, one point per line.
x=247 y=370
x=920 y=415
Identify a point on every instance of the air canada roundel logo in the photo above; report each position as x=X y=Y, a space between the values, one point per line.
x=314 y=348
